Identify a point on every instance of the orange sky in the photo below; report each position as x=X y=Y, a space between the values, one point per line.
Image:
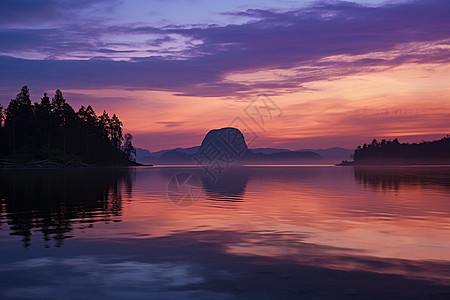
x=341 y=72
x=410 y=102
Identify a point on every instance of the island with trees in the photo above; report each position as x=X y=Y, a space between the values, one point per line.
x=51 y=133
x=395 y=153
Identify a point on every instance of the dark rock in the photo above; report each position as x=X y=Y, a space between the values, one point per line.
x=226 y=144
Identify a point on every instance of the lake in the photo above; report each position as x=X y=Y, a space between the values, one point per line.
x=255 y=232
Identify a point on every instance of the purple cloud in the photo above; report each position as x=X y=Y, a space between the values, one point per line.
x=199 y=58
x=37 y=12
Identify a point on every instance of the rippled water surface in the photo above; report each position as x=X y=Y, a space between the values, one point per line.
x=259 y=232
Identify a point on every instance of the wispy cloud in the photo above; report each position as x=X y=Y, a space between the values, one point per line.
x=335 y=67
x=323 y=41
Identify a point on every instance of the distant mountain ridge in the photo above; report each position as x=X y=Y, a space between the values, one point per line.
x=250 y=156
x=330 y=153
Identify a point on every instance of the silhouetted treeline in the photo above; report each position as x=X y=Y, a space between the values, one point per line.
x=52 y=129
x=394 y=152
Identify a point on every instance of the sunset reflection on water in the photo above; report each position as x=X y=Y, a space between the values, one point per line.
x=380 y=221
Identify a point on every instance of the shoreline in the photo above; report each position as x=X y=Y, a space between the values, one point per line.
x=6 y=164
x=352 y=164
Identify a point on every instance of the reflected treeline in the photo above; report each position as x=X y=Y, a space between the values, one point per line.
x=54 y=202
x=395 y=178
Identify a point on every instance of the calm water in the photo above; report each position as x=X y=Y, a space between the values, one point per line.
x=313 y=232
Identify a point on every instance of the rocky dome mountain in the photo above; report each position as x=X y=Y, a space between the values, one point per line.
x=227 y=145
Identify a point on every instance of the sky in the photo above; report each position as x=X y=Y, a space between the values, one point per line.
x=289 y=74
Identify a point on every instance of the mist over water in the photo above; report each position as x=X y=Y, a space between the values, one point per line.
x=255 y=232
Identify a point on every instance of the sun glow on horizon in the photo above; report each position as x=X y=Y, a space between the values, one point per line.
x=405 y=101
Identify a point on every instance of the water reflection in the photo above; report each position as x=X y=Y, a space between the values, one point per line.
x=258 y=232
x=395 y=178
x=230 y=186
x=221 y=265
x=52 y=202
